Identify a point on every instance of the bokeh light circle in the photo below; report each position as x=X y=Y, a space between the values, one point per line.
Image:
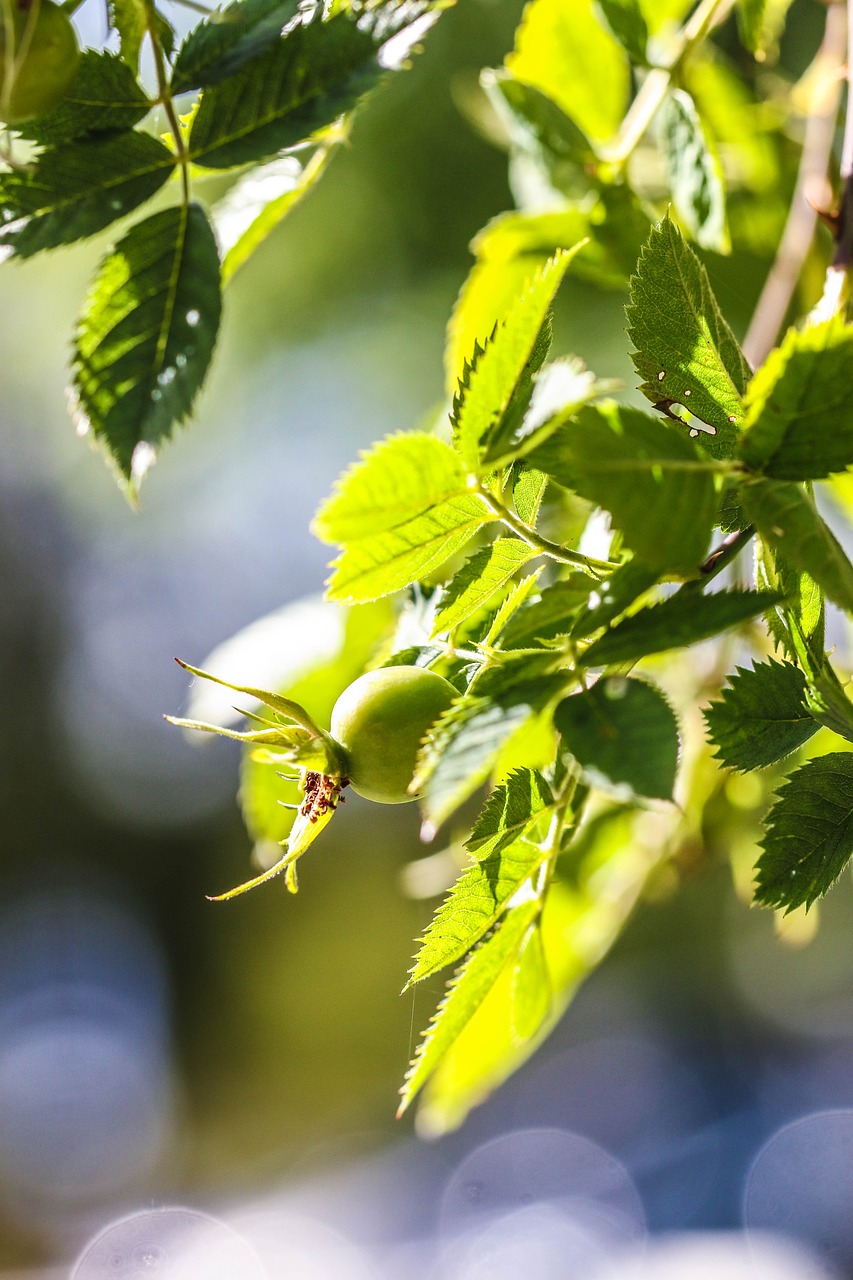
x=168 y=1244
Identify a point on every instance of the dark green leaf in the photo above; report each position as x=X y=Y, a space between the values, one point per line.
x=221 y=44
x=75 y=190
x=317 y=71
x=686 y=353
x=146 y=335
x=479 y=579
x=786 y=517
x=623 y=735
x=695 y=177
x=625 y=19
x=681 y=620
x=470 y=988
x=658 y=488
x=809 y=836
x=761 y=716
x=105 y=98
x=799 y=408
x=613 y=596
x=551 y=615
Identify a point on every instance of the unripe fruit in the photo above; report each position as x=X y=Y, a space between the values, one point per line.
x=39 y=57
x=381 y=720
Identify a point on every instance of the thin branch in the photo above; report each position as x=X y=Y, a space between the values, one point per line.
x=811 y=192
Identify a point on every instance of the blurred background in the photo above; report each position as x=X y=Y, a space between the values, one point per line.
x=178 y=1075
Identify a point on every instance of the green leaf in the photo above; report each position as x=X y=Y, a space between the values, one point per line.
x=694 y=173
x=797 y=624
x=681 y=620
x=761 y=716
x=561 y=389
x=389 y=561
x=509 y=812
x=470 y=988
x=624 y=736
x=474 y=905
x=787 y=518
x=317 y=72
x=613 y=596
x=518 y=593
x=479 y=579
x=132 y=20
x=827 y=700
x=686 y=353
x=809 y=836
x=105 y=98
x=221 y=44
x=399 y=513
x=538 y=127
x=258 y=202
x=465 y=743
x=625 y=19
x=146 y=335
x=564 y=51
x=75 y=190
x=495 y=393
x=658 y=488
x=398 y=479
x=552 y=615
x=799 y=415
x=530 y=993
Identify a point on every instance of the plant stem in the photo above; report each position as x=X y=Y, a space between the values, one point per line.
x=810 y=192
x=535 y=540
x=164 y=97
x=707 y=15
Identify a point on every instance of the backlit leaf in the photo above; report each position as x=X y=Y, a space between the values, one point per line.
x=221 y=44
x=694 y=173
x=146 y=335
x=787 y=518
x=105 y=98
x=761 y=716
x=477 y=581
x=685 y=351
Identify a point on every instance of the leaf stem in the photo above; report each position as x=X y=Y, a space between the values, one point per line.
x=707 y=15
x=535 y=540
x=164 y=96
x=728 y=550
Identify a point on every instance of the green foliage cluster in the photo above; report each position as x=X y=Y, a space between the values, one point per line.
x=270 y=88
x=549 y=550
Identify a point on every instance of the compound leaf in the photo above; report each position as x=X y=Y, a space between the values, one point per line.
x=221 y=44
x=473 y=983
x=624 y=736
x=146 y=335
x=695 y=177
x=105 y=98
x=799 y=415
x=656 y=485
x=809 y=836
x=786 y=517
x=761 y=716
x=74 y=190
x=686 y=353
x=479 y=579
x=681 y=620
